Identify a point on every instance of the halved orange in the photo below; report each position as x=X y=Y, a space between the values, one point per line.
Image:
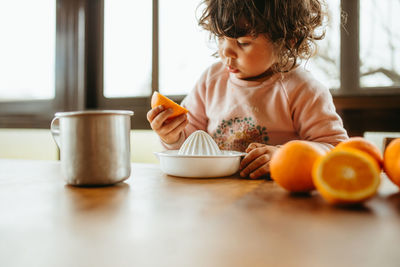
x=158 y=99
x=346 y=175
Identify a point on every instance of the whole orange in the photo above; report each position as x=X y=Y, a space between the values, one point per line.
x=291 y=166
x=363 y=144
x=391 y=161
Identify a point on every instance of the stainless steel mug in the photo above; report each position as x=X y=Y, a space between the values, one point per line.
x=94 y=146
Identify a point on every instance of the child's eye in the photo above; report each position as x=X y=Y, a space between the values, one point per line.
x=243 y=43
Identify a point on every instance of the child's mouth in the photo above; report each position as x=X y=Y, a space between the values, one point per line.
x=232 y=69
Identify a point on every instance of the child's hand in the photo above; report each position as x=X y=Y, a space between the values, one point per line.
x=256 y=163
x=169 y=130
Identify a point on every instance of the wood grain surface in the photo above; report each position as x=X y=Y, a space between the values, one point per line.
x=154 y=219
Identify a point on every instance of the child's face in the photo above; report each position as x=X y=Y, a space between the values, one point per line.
x=247 y=57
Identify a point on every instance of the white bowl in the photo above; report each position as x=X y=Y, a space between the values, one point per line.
x=197 y=166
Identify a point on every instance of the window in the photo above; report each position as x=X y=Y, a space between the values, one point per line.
x=42 y=60
x=325 y=65
x=111 y=54
x=379 y=43
x=28 y=48
x=184 y=49
x=127 y=48
x=377 y=49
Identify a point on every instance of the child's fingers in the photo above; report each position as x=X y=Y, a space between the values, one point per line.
x=261 y=171
x=250 y=147
x=182 y=125
x=173 y=135
x=253 y=146
x=159 y=120
x=152 y=113
x=248 y=158
x=253 y=154
x=260 y=161
x=170 y=124
x=171 y=129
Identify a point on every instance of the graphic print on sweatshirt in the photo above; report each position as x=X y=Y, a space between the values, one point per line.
x=237 y=133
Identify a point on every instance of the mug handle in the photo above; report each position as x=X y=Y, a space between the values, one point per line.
x=55 y=130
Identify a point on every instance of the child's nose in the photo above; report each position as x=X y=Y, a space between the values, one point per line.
x=228 y=50
x=229 y=53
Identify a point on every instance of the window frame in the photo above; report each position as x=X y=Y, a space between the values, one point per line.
x=350 y=57
x=140 y=105
x=79 y=73
x=69 y=85
x=351 y=95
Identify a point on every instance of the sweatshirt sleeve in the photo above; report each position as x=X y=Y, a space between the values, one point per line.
x=195 y=103
x=314 y=115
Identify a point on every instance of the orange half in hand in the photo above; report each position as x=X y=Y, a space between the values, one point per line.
x=346 y=175
x=158 y=99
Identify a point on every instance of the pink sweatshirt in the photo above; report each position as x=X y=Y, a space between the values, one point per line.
x=285 y=107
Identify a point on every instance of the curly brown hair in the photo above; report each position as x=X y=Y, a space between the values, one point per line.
x=291 y=25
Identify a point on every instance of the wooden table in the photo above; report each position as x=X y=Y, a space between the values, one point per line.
x=157 y=220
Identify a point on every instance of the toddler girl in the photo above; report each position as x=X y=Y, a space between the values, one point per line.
x=257 y=97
